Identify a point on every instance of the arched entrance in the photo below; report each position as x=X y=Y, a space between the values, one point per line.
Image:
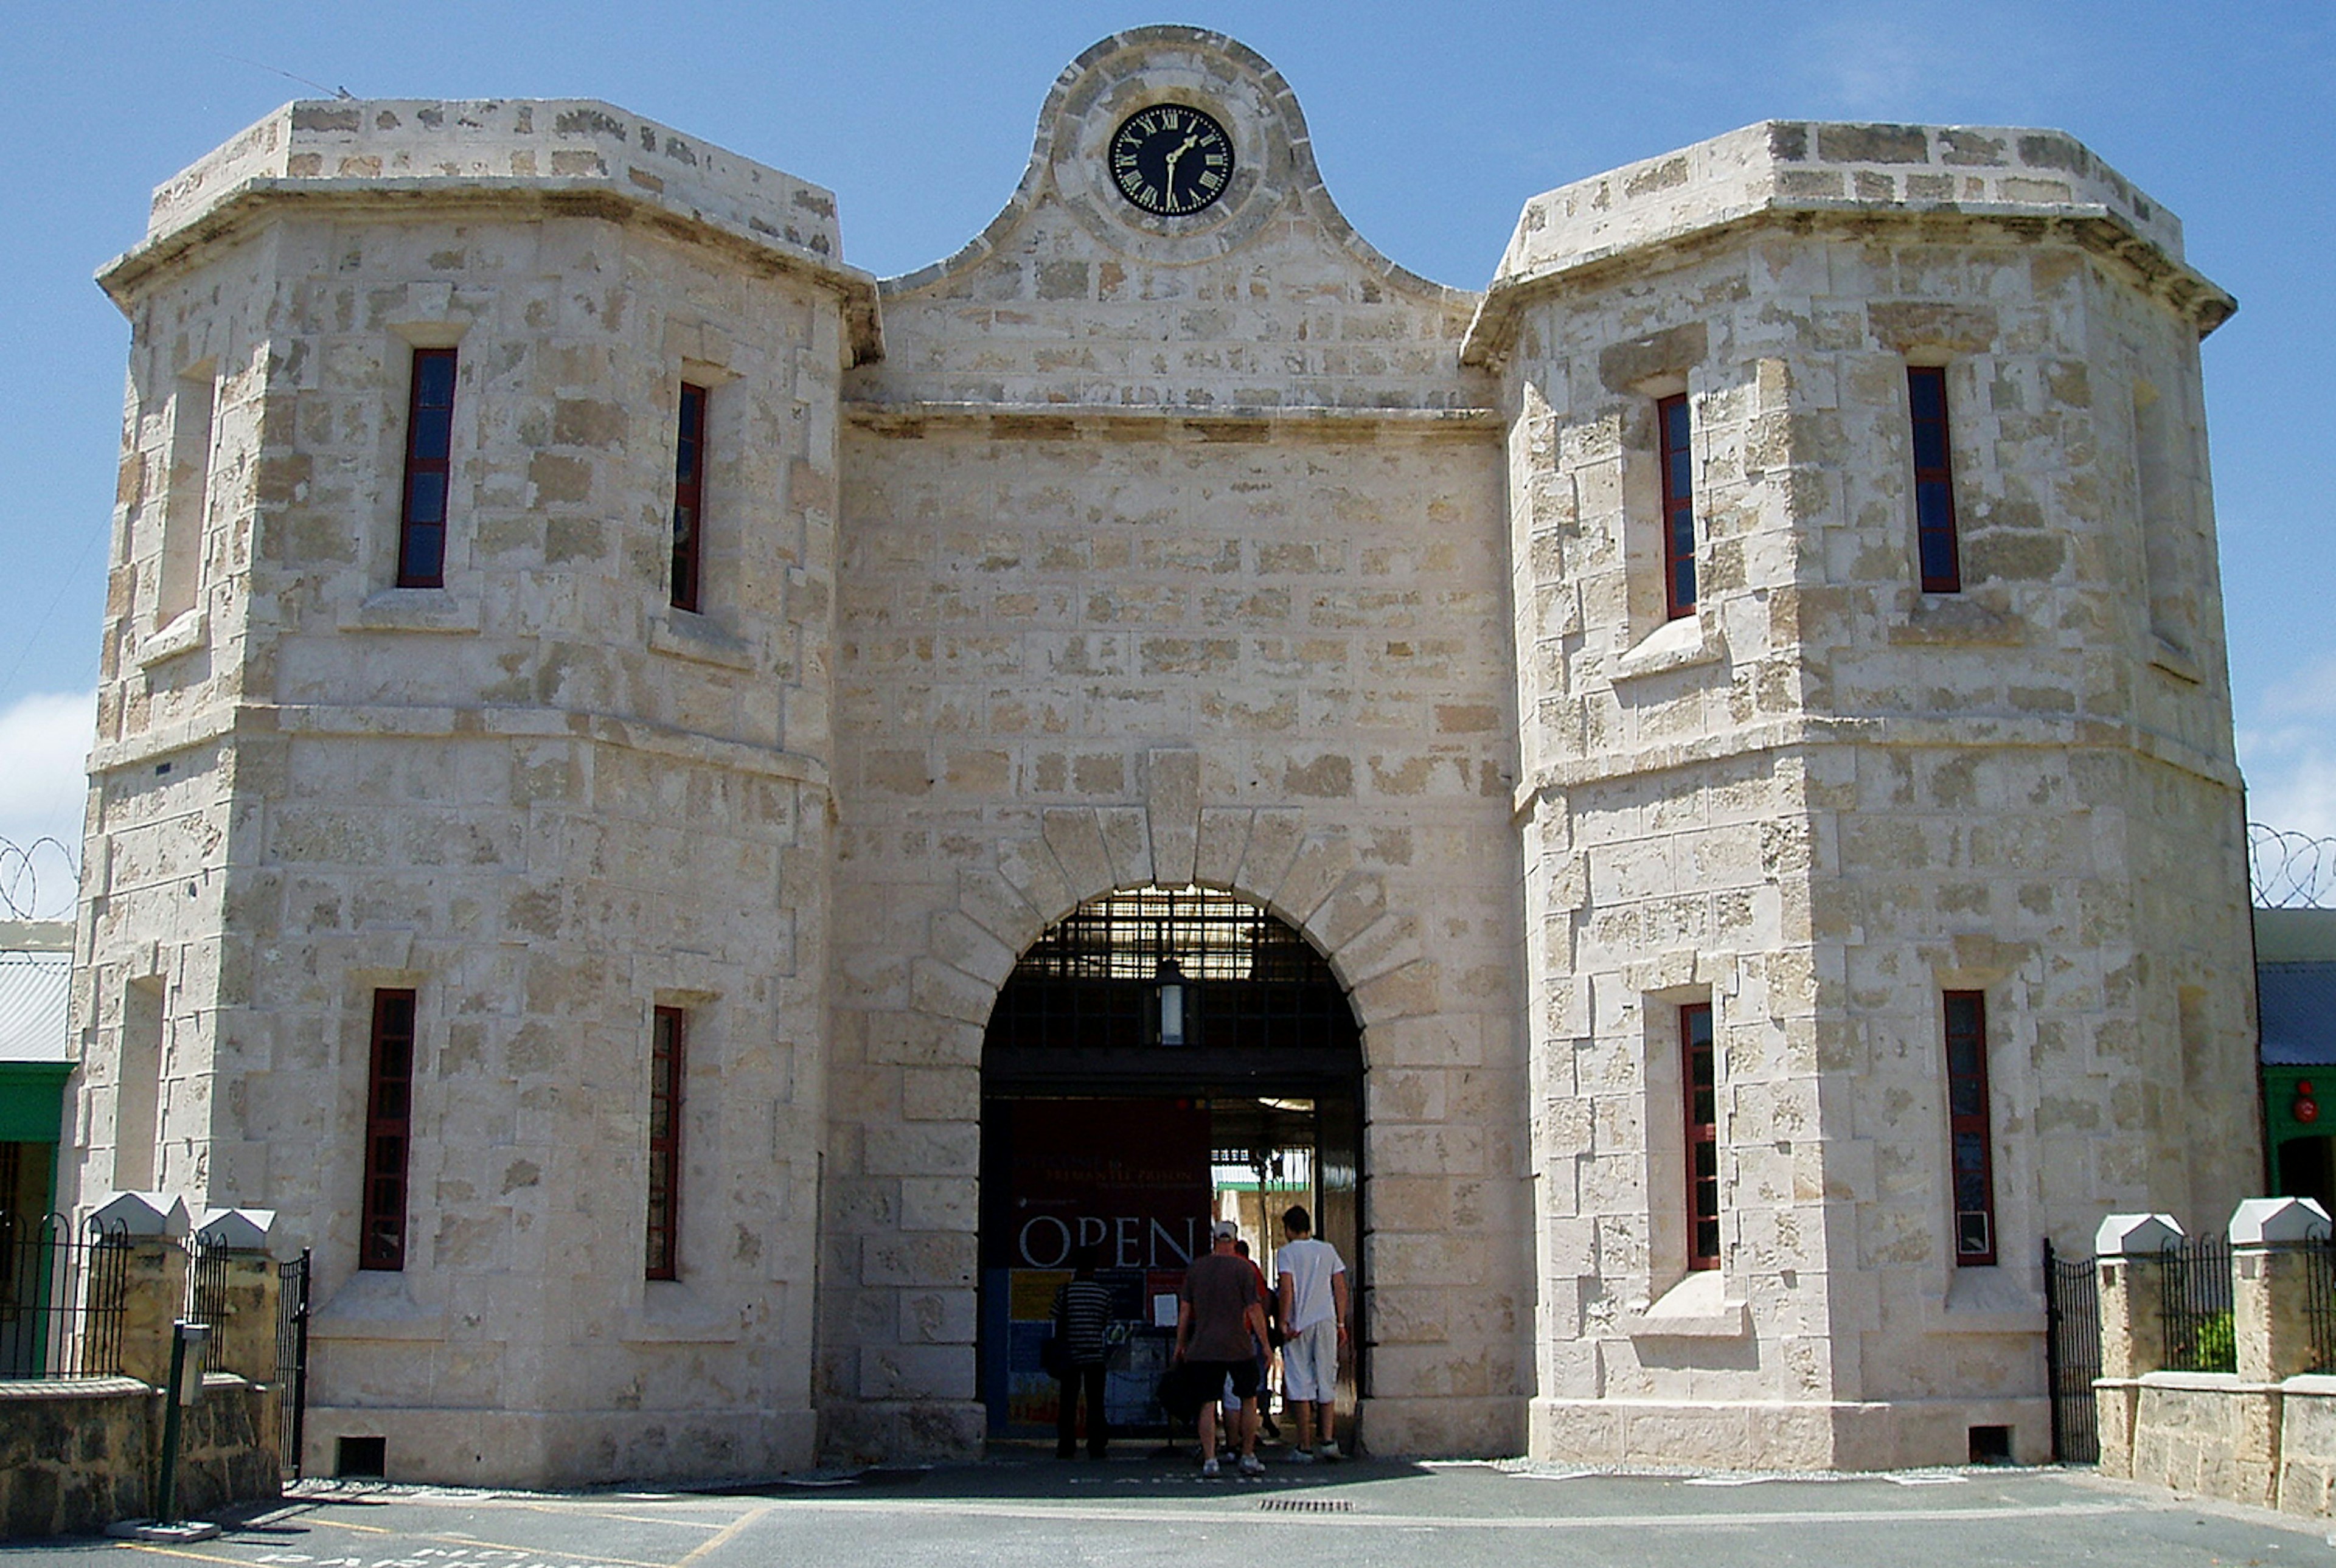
x=1159 y=1057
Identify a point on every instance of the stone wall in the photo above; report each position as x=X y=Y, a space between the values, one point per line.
x=1825 y=797
x=538 y=796
x=79 y=1455
x=1174 y=558
x=1132 y=549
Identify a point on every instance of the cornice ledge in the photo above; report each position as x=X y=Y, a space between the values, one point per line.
x=253 y=201
x=909 y=419
x=2095 y=228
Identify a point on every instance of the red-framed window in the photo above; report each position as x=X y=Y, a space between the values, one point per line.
x=1679 y=506
x=429 y=450
x=668 y=1028
x=1696 y=1071
x=689 y=496
x=1934 y=485
x=1970 y=1141
x=389 y=1128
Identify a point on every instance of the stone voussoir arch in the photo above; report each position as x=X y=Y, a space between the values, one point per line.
x=1300 y=866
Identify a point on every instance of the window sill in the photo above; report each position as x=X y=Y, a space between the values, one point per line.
x=1680 y=644
x=1697 y=1308
x=188 y=630
x=673 y=1314
x=685 y=634
x=413 y=610
x=376 y=1304
x=1952 y=619
x=2175 y=660
x=1983 y=1300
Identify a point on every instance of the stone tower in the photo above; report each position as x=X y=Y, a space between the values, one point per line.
x=514 y=784
x=1854 y=791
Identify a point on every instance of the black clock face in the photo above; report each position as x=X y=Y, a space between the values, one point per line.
x=1171 y=159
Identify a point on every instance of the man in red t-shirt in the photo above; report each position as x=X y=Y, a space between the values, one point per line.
x=1219 y=1323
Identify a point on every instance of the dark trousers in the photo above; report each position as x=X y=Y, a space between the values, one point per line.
x=1066 y=1421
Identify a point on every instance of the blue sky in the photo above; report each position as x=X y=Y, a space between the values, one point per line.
x=1432 y=125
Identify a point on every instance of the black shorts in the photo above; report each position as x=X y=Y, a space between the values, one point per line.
x=1209 y=1378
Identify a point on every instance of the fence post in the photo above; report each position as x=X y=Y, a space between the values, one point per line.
x=2133 y=1324
x=153 y=1228
x=2271 y=1243
x=243 y=1337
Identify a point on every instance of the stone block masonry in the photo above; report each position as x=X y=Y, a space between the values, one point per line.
x=1127 y=548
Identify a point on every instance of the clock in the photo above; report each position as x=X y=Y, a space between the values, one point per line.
x=1171 y=159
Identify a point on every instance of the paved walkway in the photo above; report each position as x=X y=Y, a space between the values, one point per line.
x=1360 y=1514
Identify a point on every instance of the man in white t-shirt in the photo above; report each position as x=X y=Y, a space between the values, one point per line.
x=1313 y=1291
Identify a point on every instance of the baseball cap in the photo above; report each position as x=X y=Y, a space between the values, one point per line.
x=1223 y=1230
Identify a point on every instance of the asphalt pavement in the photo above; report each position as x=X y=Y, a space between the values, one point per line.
x=1146 y=1509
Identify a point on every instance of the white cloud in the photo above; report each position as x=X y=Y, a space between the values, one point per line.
x=45 y=740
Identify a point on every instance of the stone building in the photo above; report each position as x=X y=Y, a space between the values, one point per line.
x=606 y=708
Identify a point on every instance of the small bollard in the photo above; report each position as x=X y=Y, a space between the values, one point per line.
x=183 y=1390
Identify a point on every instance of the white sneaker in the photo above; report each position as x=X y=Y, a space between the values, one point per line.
x=1250 y=1464
x=1300 y=1457
x=1327 y=1451
x=1208 y=1469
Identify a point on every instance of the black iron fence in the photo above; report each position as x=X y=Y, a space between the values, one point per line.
x=2194 y=1302
x=2072 y=1354
x=291 y=1361
x=60 y=1296
x=2319 y=1302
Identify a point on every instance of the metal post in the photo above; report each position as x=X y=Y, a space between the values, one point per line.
x=182 y=1335
x=2052 y=1371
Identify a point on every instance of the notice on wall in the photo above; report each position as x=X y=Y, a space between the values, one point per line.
x=1128 y=1177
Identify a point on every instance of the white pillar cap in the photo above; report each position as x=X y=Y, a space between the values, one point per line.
x=145 y=1214
x=239 y=1230
x=2135 y=1235
x=2271 y=1221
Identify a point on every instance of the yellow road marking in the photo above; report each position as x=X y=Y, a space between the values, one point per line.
x=724 y=1536
x=182 y=1551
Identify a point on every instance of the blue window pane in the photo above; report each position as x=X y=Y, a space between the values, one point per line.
x=433 y=430
x=425 y=498
x=434 y=380
x=425 y=559
x=1928 y=392
x=1938 y=556
x=1681 y=476
x=1683 y=583
x=1930 y=445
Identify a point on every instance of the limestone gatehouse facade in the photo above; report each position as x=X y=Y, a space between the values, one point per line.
x=601 y=700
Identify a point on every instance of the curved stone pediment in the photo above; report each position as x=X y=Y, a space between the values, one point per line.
x=1267 y=296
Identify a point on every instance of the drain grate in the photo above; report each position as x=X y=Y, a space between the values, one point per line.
x=1305 y=1505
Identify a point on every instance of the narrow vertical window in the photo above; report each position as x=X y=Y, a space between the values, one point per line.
x=1934 y=485
x=389 y=1123
x=179 y=576
x=429 y=448
x=1702 y=1137
x=1678 y=507
x=666 y=1030
x=689 y=496
x=1969 y=1140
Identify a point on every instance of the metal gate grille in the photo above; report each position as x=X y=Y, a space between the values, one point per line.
x=2195 y=1300
x=2072 y=1355
x=291 y=1361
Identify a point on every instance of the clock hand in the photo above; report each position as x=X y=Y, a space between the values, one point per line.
x=1168 y=175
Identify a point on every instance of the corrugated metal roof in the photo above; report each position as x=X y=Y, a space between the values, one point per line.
x=33 y=991
x=2298 y=1004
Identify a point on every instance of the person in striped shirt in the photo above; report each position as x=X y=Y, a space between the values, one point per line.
x=1082 y=1317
